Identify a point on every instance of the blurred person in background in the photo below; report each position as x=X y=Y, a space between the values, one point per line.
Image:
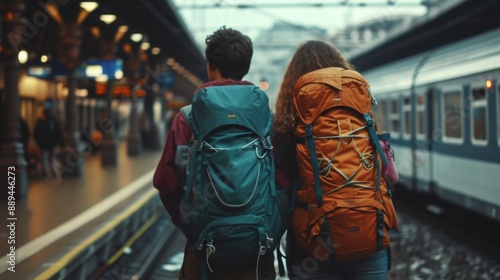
x=47 y=136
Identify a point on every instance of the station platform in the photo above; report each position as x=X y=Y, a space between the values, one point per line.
x=58 y=214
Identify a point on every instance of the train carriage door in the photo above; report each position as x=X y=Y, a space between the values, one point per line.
x=399 y=139
x=406 y=150
x=420 y=153
x=431 y=131
x=421 y=145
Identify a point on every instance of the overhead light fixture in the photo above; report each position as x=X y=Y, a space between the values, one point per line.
x=101 y=78
x=89 y=6
x=118 y=74
x=123 y=28
x=44 y=58
x=145 y=46
x=136 y=37
x=155 y=51
x=120 y=33
x=95 y=31
x=108 y=19
x=81 y=92
x=93 y=70
x=53 y=11
x=22 y=56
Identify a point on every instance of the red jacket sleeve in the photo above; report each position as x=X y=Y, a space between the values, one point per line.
x=166 y=179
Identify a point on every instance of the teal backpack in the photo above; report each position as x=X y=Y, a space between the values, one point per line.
x=232 y=211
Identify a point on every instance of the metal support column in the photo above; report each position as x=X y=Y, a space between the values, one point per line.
x=13 y=166
x=72 y=155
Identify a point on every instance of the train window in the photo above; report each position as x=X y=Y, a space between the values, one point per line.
x=478 y=115
x=406 y=117
x=420 y=116
x=394 y=117
x=452 y=115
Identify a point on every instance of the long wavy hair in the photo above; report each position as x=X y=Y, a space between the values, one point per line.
x=309 y=56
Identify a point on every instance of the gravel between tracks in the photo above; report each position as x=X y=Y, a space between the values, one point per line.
x=423 y=252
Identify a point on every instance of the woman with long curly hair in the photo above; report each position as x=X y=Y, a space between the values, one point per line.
x=311 y=56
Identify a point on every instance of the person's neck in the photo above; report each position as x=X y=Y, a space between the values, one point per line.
x=216 y=76
x=223 y=79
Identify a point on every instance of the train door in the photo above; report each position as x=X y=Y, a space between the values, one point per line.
x=431 y=115
x=417 y=118
x=402 y=129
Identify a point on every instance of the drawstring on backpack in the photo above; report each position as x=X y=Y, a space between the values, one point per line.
x=262 y=251
x=210 y=251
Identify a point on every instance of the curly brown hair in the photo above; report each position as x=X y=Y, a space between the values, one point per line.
x=309 y=56
x=230 y=51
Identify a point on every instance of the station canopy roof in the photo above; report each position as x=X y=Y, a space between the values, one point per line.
x=157 y=20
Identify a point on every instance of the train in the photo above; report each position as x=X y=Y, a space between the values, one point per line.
x=442 y=110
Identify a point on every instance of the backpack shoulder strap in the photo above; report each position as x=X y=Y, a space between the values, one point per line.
x=182 y=151
x=186 y=111
x=375 y=138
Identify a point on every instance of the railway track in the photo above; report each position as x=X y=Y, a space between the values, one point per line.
x=441 y=241
x=467 y=227
x=155 y=252
x=436 y=241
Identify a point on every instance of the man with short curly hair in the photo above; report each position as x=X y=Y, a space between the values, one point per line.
x=228 y=54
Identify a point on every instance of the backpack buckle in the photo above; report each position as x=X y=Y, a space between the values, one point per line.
x=309 y=132
x=369 y=120
x=267 y=142
x=269 y=241
x=197 y=145
x=365 y=158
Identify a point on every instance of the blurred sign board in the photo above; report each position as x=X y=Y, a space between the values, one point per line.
x=166 y=80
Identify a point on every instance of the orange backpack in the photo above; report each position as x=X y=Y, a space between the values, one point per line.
x=343 y=208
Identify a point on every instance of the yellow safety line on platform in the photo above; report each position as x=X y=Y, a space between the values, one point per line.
x=41 y=242
x=63 y=262
x=129 y=243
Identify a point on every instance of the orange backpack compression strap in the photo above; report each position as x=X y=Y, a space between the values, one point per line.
x=325 y=230
x=314 y=163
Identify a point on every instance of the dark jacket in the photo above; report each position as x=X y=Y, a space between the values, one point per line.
x=47 y=133
x=25 y=133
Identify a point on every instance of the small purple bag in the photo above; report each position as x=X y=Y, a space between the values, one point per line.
x=389 y=172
